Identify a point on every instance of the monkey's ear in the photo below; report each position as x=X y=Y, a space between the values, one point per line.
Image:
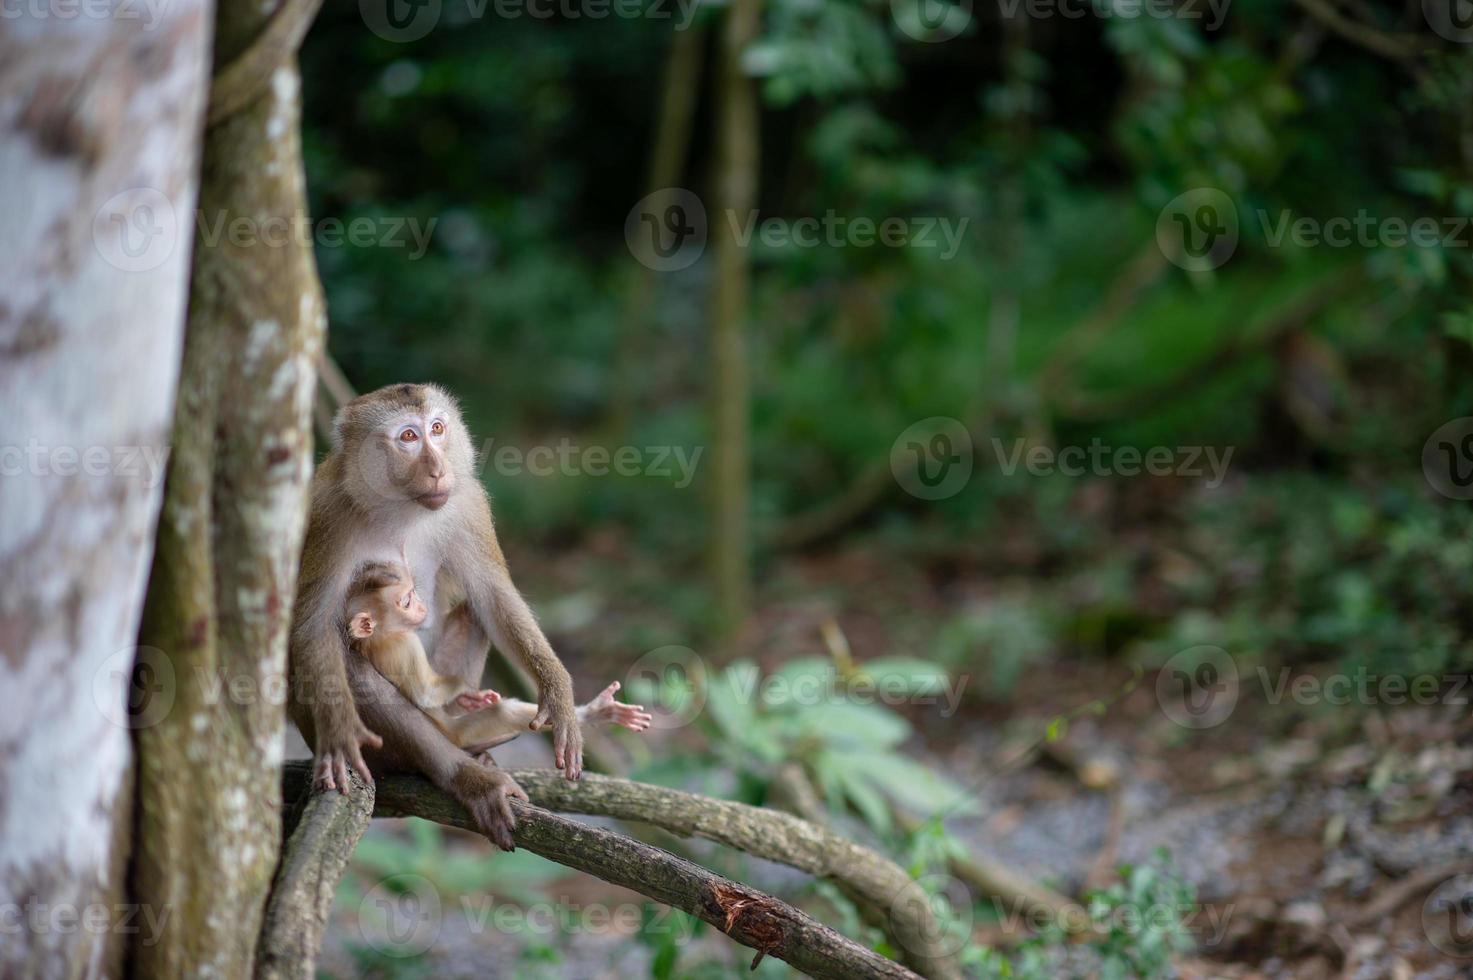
x=360 y=627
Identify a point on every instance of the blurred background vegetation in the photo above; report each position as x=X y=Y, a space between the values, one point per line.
x=1061 y=320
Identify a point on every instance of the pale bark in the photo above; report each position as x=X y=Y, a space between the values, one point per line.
x=230 y=536
x=99 y=143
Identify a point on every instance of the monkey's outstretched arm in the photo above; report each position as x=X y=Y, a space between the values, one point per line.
x=501 y=612
x=505 y=721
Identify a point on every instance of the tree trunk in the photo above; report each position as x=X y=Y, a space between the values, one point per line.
x=667 y=161
x=736 y=191
x=224 y=577
x=99 y=144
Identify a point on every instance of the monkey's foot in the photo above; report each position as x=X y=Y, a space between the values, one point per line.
x=605 y=709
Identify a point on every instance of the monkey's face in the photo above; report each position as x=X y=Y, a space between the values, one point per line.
x=414 y=449
x=408 y=607
x=404 y=443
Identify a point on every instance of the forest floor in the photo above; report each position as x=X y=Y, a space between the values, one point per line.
x=1313 y=835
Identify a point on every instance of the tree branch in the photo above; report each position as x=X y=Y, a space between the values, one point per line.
x=746 y=915
x=317 y=851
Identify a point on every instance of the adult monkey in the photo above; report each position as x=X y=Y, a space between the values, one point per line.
x=401 y=476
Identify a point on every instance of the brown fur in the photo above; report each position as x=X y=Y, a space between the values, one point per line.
x=370 y=492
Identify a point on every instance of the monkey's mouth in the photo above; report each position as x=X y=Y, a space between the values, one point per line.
x=433 y=501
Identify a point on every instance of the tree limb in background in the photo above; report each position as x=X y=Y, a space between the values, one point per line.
x=1139 y=274
x=1398 y=47
x=1093 y=407
x=737 y=156
x=750 y=917
x=318 y=848
x=242 y=81
x=667 y=162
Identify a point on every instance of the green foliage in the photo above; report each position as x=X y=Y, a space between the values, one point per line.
x=838 y=727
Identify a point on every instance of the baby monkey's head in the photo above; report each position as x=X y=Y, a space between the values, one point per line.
x=382 y=599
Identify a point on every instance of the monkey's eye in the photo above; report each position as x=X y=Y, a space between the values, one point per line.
x=408 y=436
x=437 y=428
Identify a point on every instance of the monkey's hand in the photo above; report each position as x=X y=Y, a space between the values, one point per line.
x=476 y=700
x=486 y=793
x=335 y=752
x=604 y=710
x=567 y=737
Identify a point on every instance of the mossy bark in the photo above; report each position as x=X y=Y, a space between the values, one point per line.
x=224 y=576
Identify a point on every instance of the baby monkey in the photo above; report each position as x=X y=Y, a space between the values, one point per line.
x=384 y=613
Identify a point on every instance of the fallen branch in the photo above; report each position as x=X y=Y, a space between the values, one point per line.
x=757 y=920
x=874 y=881
x=317 y=851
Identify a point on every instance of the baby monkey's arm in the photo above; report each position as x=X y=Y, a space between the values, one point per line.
x=504 y=721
